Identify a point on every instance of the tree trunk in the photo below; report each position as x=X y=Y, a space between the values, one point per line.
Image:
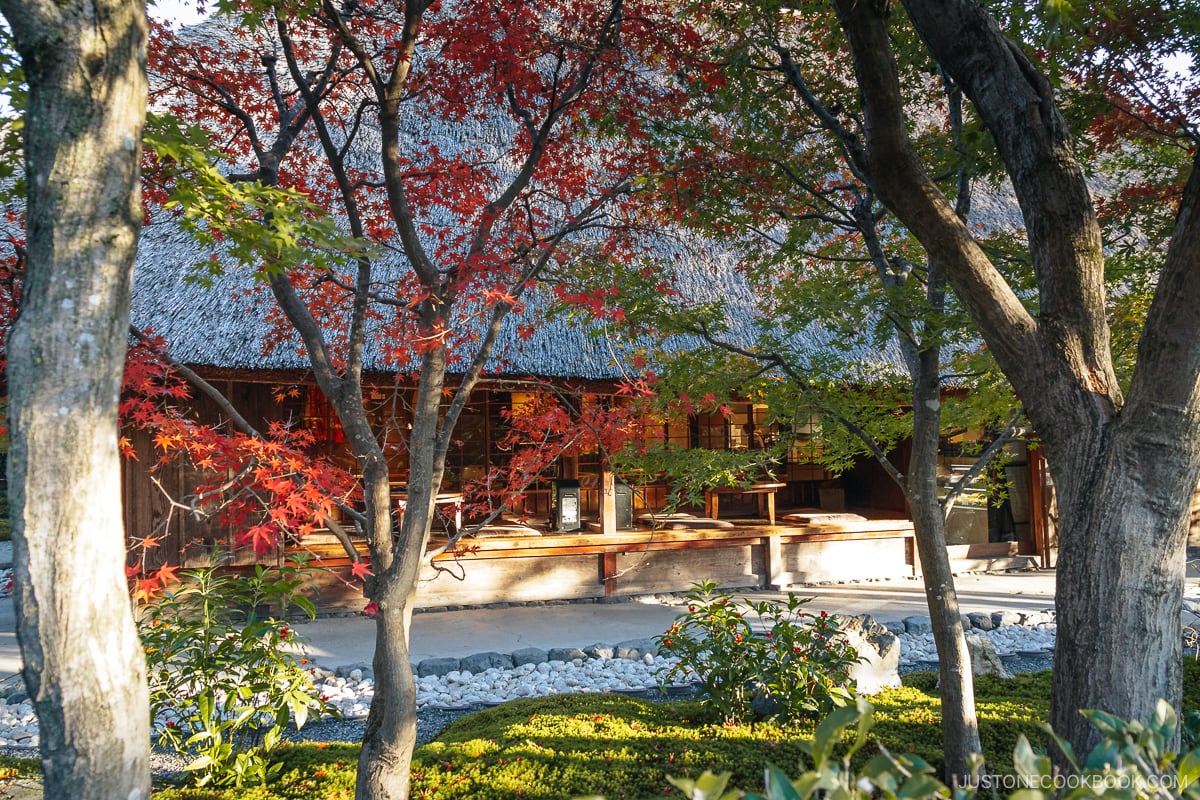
x=84 y=667
x=956 y=680
x=1122 y=538
x=391 y=733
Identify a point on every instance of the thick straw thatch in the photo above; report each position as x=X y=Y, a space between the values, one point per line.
x=228 y=323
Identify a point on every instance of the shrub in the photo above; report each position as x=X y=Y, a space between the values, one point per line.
x=223 y=685
x=798 y=667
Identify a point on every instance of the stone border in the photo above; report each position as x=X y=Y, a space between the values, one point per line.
x=919 y=625
x=631 y=649
x=649 y=599
x=637 y=649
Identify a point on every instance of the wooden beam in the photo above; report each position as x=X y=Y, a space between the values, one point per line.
x=846 y=536
x=640 y=541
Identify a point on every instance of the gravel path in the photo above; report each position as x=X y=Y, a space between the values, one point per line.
x=432 y=721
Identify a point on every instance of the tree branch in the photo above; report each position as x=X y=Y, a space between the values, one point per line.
x=1016 y=104
x=211 y=391
x=1166 y=378
x=911 y=194
x=976 y=469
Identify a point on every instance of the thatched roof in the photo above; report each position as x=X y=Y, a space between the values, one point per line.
x=229 y=324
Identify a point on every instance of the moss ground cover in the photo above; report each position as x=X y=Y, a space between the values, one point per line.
x=18 y=767
x=578 y=745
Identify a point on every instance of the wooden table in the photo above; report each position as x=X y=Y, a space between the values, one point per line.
x=764 y=492
x=442 y=499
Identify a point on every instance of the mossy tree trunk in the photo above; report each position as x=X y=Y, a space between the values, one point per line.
x=84 y=668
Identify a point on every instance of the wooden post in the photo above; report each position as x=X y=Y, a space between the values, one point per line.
x=910 y=555
x=570 y=467
x=1037 y=508
x=608 y=499
x=777 y=577
x=608 y=572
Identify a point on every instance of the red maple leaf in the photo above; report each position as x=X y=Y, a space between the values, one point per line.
x=168 y=573
x=361 y=569
x=260 y=538
x=146 y=590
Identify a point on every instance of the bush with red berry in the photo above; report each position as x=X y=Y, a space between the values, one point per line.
x=759 y=659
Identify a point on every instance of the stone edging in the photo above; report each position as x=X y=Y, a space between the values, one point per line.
x=918 y=624
x=631 y=649
x=639 y=649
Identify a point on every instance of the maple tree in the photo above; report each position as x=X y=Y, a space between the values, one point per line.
x=1125 y=462
x=463 y=150
x=787 y=171
x=832 y=311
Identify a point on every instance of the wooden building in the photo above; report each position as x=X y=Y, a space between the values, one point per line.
x=804 y=525
x=801 y=525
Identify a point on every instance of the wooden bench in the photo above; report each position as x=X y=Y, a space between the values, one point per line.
x=764 y=493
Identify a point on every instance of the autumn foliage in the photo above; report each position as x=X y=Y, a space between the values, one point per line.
x=524 y=140
x=268 y=487
x=553 y=423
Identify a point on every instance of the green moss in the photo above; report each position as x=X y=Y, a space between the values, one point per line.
x=1191 y=683
x=586 y=744
x=19 y=767
x=576 y=745
x=909 y=718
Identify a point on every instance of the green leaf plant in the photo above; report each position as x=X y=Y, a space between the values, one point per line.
x=792 y=665
x=224 y=678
